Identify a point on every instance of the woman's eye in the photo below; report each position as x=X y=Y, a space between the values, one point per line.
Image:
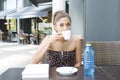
x=68 y=24
x=61 y=25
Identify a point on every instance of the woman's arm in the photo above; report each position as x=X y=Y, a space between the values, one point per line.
x=79 y=49
x=44 y=46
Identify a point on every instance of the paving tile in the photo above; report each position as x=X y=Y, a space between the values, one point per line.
x=15 y=55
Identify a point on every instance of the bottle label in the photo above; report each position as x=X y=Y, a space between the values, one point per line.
x=87 y=56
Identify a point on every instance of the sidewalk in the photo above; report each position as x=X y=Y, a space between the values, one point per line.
x=15 y=55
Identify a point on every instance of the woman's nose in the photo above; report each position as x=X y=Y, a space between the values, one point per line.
x=65 y=28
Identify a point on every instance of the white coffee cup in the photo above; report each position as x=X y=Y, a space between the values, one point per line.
x=66 y=34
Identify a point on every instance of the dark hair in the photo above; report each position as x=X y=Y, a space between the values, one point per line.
x=58 y=15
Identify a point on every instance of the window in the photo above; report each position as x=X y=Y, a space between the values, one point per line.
x=26 y=3
x=2 y=4
x=10 y=4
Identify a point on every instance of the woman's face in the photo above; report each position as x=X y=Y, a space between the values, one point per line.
x=63 y=24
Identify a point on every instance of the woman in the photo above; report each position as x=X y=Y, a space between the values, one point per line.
x=60 y=52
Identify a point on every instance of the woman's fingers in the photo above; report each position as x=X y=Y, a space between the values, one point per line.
x=57 y=36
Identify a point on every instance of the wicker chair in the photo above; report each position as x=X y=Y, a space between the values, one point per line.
x=106 y=52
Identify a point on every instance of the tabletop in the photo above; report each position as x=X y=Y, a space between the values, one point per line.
x=15 y=74
x=112 y=71
x=78 y=76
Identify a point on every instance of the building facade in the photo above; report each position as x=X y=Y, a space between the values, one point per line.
x=26 y=16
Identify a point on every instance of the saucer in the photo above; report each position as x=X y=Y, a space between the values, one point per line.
x=66 y=70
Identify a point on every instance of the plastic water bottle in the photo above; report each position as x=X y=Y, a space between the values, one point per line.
x=88 y=60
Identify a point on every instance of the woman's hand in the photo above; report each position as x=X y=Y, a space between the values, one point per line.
x=56 y=37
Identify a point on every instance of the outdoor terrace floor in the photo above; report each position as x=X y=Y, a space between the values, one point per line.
x=15 y=55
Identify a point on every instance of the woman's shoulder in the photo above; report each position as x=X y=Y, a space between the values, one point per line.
x=77 y=37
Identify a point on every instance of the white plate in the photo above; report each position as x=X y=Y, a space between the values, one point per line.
x=66 y=70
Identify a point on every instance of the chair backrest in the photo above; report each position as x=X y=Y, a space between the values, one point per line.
x=106 y=52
